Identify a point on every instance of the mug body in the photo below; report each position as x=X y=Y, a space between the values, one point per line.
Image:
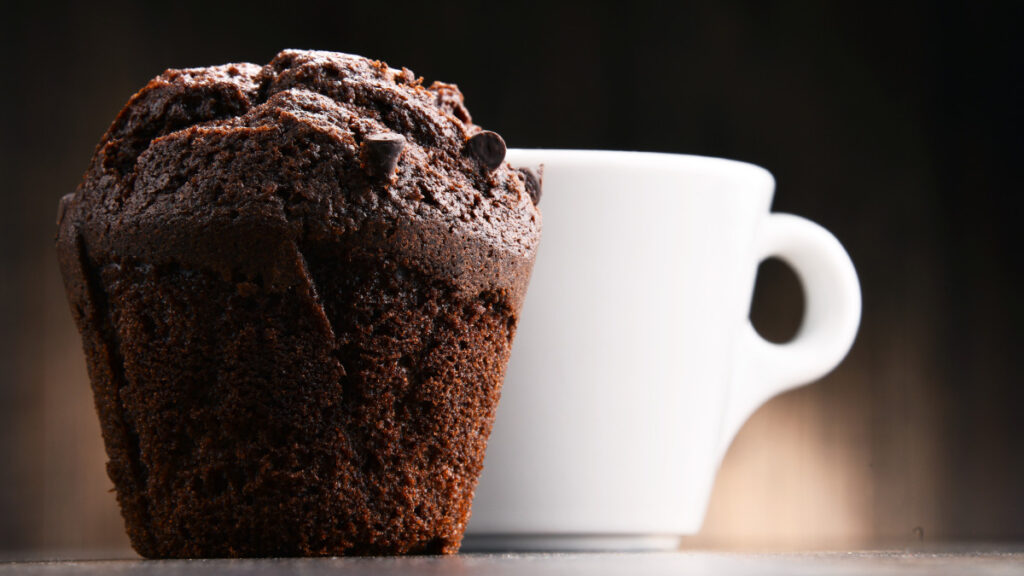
x=610 y=426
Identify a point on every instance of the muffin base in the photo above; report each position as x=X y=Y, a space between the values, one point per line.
x=345 y=411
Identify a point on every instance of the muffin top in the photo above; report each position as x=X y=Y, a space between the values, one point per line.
x=217 y=166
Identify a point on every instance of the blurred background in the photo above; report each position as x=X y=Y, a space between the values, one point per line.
x=898 y=127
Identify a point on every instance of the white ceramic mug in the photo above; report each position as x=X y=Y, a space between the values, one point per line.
x=635 y=362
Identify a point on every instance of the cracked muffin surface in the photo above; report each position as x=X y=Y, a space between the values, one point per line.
x=297 y=287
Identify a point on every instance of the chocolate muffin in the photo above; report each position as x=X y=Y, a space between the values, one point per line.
x=297 y=287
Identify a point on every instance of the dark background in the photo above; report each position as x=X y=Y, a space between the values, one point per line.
x=898 y=127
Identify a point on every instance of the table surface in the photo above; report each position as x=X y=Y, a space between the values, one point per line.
x=1005 y=560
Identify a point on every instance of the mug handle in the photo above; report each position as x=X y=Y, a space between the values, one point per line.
x=831 y=317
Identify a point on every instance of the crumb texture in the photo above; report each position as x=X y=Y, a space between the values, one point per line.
x=297 y=289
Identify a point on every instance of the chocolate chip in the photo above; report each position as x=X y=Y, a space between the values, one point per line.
x=533 y=183
x=62 y=207
x=488 y=148
x=379 y=154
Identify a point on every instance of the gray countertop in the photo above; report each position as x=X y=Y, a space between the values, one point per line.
x=1005 y=560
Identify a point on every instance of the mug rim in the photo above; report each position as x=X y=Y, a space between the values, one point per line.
x=751 y=174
